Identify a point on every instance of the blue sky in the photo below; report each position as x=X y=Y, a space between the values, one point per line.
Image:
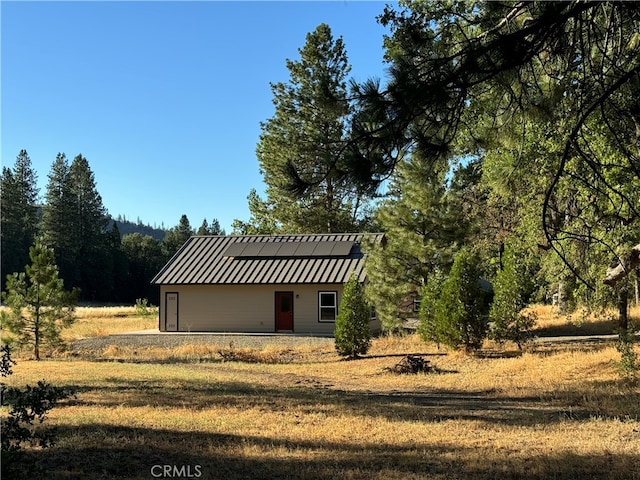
x=164 y=99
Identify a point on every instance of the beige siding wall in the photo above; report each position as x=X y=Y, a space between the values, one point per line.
x=245 y=308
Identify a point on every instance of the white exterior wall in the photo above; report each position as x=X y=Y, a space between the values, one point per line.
x=245 y=308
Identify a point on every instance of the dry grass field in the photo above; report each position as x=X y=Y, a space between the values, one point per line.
x=100 y=321
x=556 y=411
x=550 y=323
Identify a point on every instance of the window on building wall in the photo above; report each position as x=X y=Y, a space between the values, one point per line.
x=416 y=305
x=327 y=306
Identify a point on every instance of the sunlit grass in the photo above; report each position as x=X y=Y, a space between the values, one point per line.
x=106 y=312
x=101 y=321
x=555 y=411
x=550 y=323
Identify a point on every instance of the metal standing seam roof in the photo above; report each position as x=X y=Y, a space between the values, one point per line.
x=267 y=259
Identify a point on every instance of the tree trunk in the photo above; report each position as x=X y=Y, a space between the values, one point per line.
x=562 y=304
x=329 y=206
x=623 y=308
x=36 y=342
x=626 y=264
x=36 y=319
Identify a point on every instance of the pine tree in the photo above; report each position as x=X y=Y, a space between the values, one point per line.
x=429 y=327
x=352 y=331
x=307 y=134
x=509 y=322
x=39 y=305
x=59 y=219
x=213 y=229
x=18 y=214
x=204 y=228
x=262 y=221
x=90 y=227
x=457 y=318
x=75 y=225
x=422 y=229
x=175 y=237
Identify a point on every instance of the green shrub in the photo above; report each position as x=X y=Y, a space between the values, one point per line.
x=429 y=328
x=352 y=332
x=144 y=308
x=457 y=317
x=629 y=364
x=508 y=321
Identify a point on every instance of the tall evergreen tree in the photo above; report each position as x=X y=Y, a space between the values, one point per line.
x=423 y=228
x=213 y=229
x=75 y=225
x=307 y=134
x=18 y=214
x=59 y=219
x=176 y=236
x=90 y=229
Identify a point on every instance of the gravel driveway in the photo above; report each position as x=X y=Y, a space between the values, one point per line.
x=153 y=338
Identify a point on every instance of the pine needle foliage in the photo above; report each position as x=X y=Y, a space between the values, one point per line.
x=305 y=139
x=508 y=321
x=456 y=318
x=429 y=329
x=39 y=306
x=352 y=332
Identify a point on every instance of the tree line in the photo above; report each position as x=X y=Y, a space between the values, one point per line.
x=90 y=252
x=506 y=135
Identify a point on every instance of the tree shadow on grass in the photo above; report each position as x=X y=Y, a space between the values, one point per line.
x=569 y=329
x=402 y=355
x=315 y=396
x=491 y=353
x=99 y=451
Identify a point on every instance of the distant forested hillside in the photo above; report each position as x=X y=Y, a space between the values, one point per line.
x=127 y=227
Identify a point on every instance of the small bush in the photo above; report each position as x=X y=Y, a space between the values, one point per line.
x=144 y=308
x=28 y=408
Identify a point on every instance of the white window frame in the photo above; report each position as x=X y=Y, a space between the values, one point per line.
x=334 y=294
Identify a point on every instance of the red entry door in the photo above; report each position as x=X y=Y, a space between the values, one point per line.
x=284 y=311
